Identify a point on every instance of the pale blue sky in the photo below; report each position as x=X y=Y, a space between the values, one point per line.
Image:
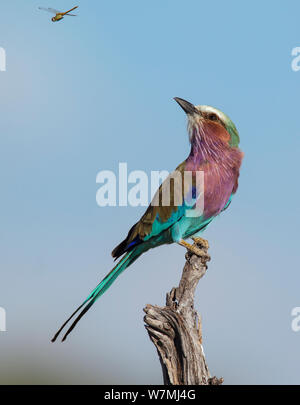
x=89 y=92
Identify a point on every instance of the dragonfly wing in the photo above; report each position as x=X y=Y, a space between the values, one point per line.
x=72 y=15
x=50 y=10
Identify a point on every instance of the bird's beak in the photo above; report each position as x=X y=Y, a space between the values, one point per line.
x=189 y=108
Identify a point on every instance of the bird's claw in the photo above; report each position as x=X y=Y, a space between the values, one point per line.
x=202 y=243
x=195 y=249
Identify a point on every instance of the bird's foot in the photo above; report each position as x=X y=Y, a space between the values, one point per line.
x=202 y=243
x=194 y=248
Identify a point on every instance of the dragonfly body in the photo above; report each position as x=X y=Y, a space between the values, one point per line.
x=59 y=15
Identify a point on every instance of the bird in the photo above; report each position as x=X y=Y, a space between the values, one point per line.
x=59 y=15
x=215 y=152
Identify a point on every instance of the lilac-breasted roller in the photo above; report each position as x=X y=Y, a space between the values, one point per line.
x=214 y=152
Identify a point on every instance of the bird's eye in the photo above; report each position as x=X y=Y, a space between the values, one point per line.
x=213 y=117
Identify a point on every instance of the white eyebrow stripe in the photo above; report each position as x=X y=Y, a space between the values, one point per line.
x=211 y=110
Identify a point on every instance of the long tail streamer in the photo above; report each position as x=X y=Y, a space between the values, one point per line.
x=129 y=258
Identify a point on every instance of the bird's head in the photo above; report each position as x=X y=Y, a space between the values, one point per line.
x=209 y=121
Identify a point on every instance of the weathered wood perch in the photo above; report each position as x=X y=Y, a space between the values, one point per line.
x=176 y=329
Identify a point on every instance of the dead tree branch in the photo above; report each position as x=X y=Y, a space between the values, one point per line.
x=176 y=329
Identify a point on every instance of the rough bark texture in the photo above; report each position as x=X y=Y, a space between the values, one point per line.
x=175 y=329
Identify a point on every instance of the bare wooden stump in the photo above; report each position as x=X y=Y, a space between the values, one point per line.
x=176 y=328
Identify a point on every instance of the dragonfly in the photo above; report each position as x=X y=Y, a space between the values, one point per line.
x=59 y=15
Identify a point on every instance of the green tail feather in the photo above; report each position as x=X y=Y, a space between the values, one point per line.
x=129 y=258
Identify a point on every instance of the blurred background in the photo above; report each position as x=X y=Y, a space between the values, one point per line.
x=85 y=93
